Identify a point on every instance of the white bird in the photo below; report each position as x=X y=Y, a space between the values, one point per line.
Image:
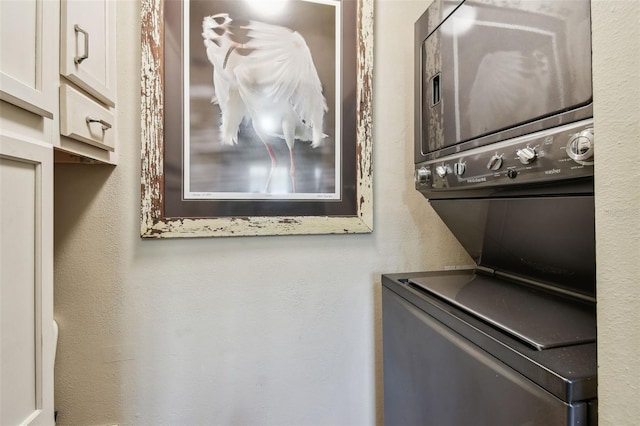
x=264 y=73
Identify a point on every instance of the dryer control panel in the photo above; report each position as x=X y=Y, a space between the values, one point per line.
x=561 y=153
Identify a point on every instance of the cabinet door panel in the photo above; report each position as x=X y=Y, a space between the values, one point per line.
x=27 y=56
x=26 y=282
x=87 y=46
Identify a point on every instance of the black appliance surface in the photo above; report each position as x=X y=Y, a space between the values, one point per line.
x=512 y=341
x=488 y=70
x=444 y=365
x=547 y=238
x=539 y=318
x=504 y=152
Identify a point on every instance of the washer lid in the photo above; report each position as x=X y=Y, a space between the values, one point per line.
x=536 y=317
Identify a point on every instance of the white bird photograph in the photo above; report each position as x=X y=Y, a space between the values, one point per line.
x=262 y=100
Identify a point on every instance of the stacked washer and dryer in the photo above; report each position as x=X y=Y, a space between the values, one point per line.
x=504 y=154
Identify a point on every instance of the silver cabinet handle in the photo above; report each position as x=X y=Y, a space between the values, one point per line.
x=104 y=124
x=85 y=55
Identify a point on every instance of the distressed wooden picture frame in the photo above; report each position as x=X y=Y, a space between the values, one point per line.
x=170 y=207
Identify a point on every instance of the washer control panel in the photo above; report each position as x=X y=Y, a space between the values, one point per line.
x=560 y=153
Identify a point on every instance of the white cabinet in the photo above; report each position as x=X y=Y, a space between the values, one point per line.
x=85 y=120
x=88 y=82
x=87 y=46
x=28 y=126
x=28 y=114
x=26 y=282
x=27 y=54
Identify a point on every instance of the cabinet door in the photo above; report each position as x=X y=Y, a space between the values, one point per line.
x=87 y=46
x=28 y=49
x=26 y=282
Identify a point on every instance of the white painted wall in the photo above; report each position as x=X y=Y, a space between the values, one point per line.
x=616 y=84
x=286 y=330
x=262 y=330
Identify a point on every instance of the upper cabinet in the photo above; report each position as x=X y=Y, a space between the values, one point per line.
x=88 y=82
x=88 y=46
x=27 y=55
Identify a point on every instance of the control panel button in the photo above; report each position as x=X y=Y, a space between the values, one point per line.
x=459 y=168
x=421 y=176
x=580 y=146
x=511 y=173
x=441 y=171
x=495 y=162
x=527 y=155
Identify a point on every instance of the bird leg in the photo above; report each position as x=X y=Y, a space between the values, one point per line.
x=288 y=131
x=292 y=171
x=274 y=163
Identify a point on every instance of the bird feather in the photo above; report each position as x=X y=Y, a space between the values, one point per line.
x=272 y=70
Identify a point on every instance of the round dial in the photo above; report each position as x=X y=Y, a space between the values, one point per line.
x=580 y=147
x=421 y=176
x=459 y=168
x=495 y=162
x=441 y=171
x=527 y=155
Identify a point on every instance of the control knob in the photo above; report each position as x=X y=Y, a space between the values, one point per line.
x=580 y=147
x=459 y=168
x=442 y=171
x=527 y=155
x=495 y=162
x=422 y=176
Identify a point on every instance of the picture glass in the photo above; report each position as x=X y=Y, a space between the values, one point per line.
x=241 y=168
x=256 y=117
x=254 y=104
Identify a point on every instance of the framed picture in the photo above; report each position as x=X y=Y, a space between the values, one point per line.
x=256 y=117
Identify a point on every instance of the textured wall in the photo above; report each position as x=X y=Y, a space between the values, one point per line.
x=264 y=330
x=616 y=83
